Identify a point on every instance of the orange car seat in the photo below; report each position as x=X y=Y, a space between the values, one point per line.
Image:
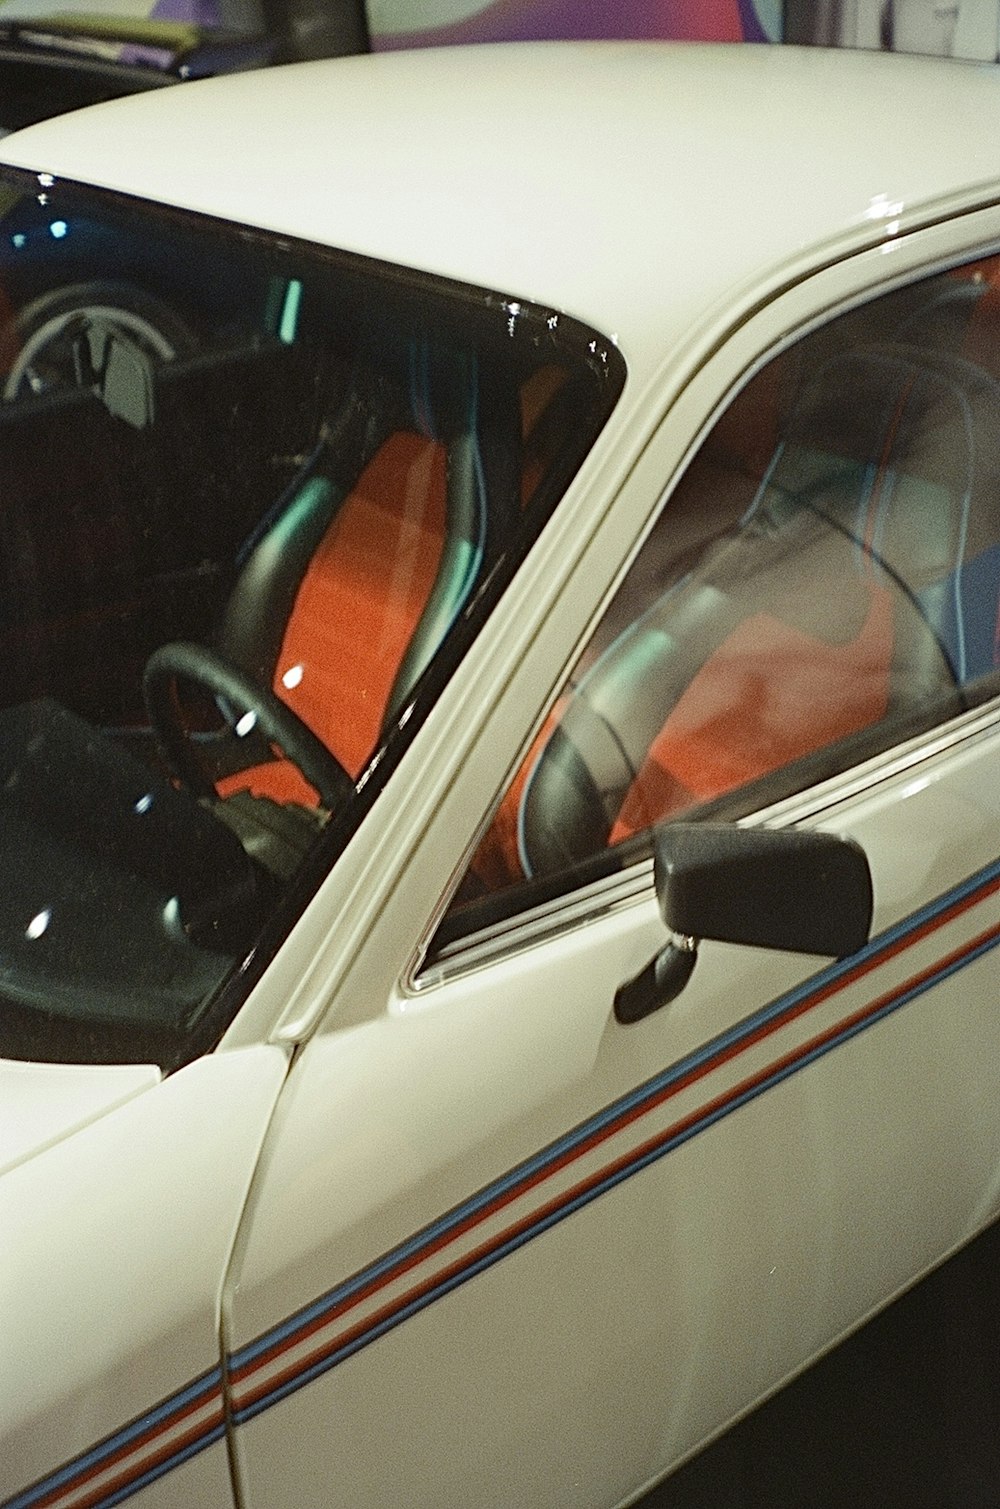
x=344 y=596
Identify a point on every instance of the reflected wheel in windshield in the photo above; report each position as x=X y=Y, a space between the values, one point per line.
x=71 y=337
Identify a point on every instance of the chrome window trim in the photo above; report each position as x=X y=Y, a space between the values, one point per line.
x=539 y=924
x=603 y=898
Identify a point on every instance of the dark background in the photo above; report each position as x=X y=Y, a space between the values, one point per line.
x=905 y=1413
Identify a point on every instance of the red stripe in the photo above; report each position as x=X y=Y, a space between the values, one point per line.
x=74 y=1484
x=618 y=1166
x=540 y=1214
x=600 y=1135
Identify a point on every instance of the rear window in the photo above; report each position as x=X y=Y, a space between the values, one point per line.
x=255 y=498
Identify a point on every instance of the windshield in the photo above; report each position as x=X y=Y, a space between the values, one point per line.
x=255 y=498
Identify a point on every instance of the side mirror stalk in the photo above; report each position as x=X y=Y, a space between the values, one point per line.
x=799 y=890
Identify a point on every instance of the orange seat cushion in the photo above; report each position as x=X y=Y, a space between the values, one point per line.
x=356 y=609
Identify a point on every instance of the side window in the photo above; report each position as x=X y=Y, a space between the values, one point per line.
x=823 y=581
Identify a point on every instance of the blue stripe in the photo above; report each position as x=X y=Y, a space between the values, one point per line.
x=619 y=1176
x=177 y=1460
x=634 y=1100
x=201 y=1389
x=204 y=1386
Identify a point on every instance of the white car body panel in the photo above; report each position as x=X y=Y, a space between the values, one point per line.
x=397 y=1147
x=45 y=1102
x=735 y=1258
x=456 y=197
x=135 y=1282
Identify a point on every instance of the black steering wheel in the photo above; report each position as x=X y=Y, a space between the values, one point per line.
x=226 y=683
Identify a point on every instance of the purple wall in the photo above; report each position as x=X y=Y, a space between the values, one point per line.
x=536 y=20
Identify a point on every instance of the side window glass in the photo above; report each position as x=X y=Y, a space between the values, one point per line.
x=823 y=581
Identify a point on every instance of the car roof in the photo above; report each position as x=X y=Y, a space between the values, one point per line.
x=637 y=186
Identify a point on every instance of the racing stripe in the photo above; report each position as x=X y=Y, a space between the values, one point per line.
x=602 y=1152
x=153 y=1444
x=442 y=1256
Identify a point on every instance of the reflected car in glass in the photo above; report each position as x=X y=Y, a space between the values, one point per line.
x=59 y=55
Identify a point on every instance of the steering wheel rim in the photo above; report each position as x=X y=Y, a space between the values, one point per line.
x=205 y=668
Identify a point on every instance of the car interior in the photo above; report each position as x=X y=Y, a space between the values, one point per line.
x=237 y=547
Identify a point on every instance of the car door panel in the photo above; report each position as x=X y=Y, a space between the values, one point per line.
x=548 y=1227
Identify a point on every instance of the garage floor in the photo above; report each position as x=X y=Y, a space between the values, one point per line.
x=905 y=1413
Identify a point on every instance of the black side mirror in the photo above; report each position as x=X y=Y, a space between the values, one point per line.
x=797 y=890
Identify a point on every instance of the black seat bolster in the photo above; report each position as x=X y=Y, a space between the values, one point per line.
x=260 y=605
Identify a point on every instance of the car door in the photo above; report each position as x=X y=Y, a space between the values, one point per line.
x=505 y=1248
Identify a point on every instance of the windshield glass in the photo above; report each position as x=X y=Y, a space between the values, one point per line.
x=255 y=498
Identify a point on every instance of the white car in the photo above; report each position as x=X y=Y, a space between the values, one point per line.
x=499 y=733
